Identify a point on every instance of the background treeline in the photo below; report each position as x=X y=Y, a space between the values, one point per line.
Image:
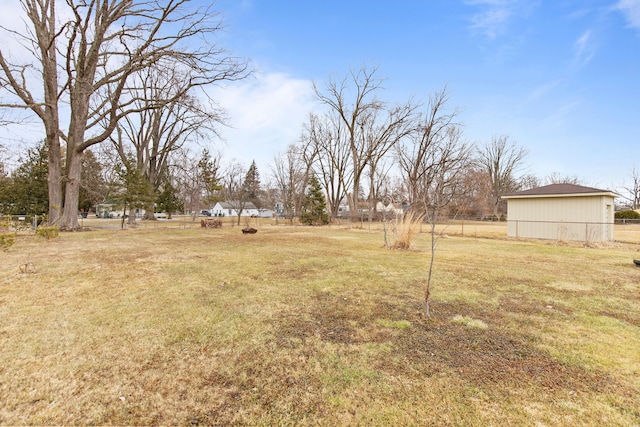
x=123 y=93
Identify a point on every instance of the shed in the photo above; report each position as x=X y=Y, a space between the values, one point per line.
x=561 y=212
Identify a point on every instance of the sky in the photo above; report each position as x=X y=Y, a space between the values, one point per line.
x=560 y=78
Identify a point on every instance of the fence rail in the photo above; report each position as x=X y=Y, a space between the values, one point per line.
x=20 y=222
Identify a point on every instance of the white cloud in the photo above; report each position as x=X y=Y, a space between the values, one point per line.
x=585 y=48
x=631 y=11
x=495 y=15
x=266 y=115
x=544 y=90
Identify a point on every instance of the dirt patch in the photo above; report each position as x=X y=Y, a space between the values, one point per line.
x=331 y=318
x=485 y=357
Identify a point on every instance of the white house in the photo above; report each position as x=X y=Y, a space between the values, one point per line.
x=561 y=212
x=392 y=209
x=395 y=209
x=231 y=209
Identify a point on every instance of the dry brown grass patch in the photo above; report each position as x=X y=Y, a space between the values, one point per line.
x=299 y=326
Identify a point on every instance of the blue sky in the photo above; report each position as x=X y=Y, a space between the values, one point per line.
x=560 y=78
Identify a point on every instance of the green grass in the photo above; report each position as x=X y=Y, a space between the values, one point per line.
x=316 y=326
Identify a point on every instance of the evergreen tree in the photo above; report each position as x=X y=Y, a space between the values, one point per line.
x=93 y=188
x=26 y=191
x=5 y=183
x=133 y=188
x=208 y=176
x=314 y=210
x=251 y=185
x=168 y=201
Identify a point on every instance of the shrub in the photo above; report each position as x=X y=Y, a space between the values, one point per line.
x=47 y=232
x=404 y=230
x=7 y=240
x=628 y=214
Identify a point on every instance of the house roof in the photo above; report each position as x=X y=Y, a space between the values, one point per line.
x=560 y=190
x=235 y=205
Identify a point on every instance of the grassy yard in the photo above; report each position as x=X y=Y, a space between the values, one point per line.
x=316 y=326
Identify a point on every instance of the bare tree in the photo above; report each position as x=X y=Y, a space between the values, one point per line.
x=435 y=162
x=191 y=175
x=233 y=189
x=153 y=135
x=90 y=61
x=415 y=155
x=529 y=181
x=501 y=160
x=444 y=180
x=290 y=173
x=631 y=191
x=326 y=146
x=381 y=135
x=379 y=191
x=370 y=128
x=40 y=42
x=558 y=178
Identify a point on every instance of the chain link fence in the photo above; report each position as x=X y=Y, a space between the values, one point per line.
x=20 y=222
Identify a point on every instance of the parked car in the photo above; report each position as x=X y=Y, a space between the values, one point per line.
x=205 y=213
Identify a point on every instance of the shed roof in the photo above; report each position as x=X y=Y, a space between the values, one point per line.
x=560 y=190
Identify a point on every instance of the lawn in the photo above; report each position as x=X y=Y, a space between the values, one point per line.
x=316 y=326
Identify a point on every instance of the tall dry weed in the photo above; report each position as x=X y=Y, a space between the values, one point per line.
x=404 y=229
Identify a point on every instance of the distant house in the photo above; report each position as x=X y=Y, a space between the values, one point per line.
x=266 y=213
x=343 y=211
x=390 y=210
x=231 y=209
x=561 y=212
x=395 y=209
x=113 y=210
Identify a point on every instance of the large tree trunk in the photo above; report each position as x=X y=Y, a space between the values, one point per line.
x=132 y=216
x=148 y=214
x=496 y=206
x=353 y=199
x=372 y=196
x=52 y=129
x=69 y=219
x=54 y=178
